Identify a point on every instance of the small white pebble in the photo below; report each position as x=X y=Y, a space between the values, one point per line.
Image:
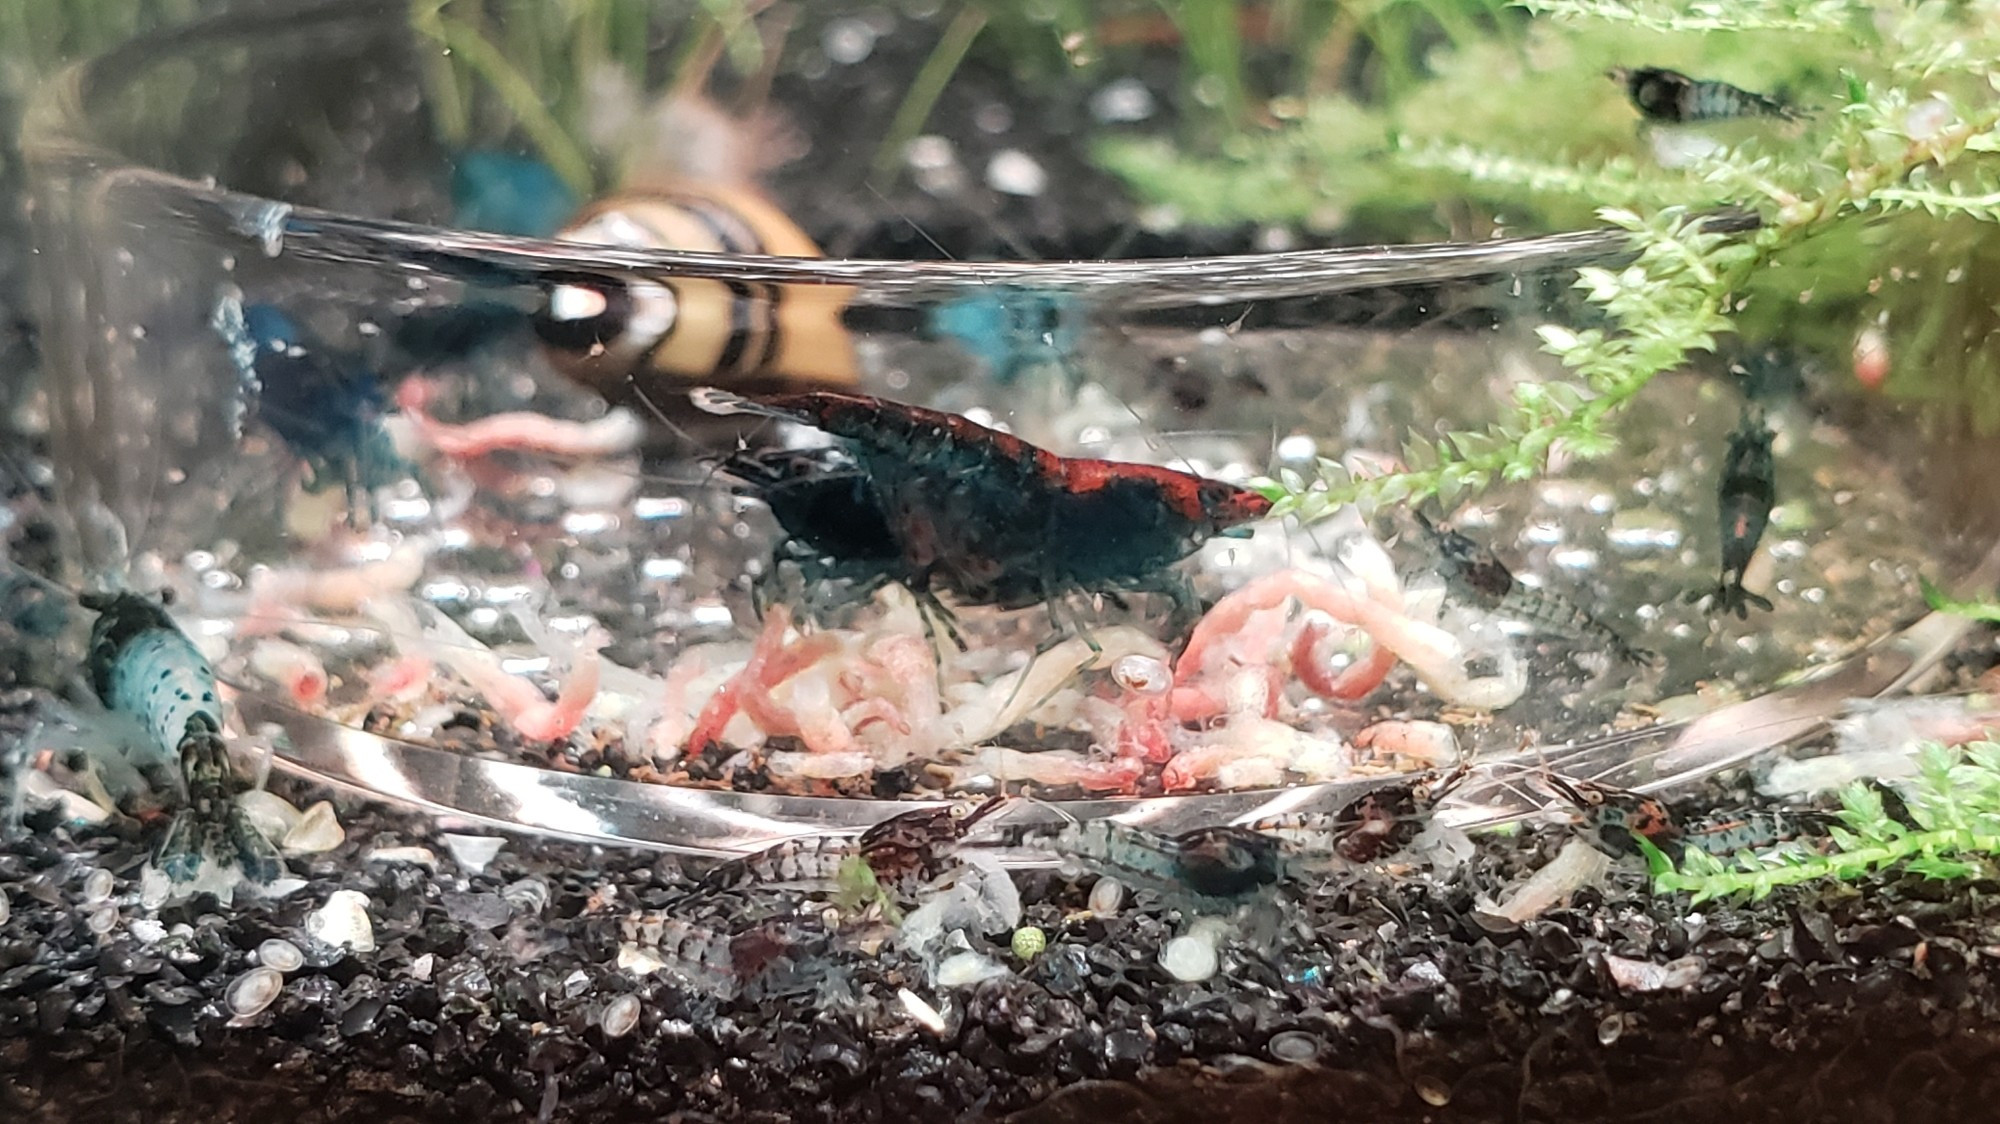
x=154 y=887
x=281 y=955
x=317 y=831
x=620 y=1016
x=282 y=888
x=473 y=852
x=420 y=968
x=1189 y=959
x=529 y=895
x=1122 y=101
x=848 y=41
x=638 y=960
x=968 y=968
x=7 y=910
x=925 y=1015
x=1013 y=172
x=1106 y=896
x=1645 y=975
x=253 y=991
x=97 y=886
x=343 y=921
x=272 y=815
x=415 y=856
x=145 y=930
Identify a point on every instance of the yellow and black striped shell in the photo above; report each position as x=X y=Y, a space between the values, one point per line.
x=609 y=329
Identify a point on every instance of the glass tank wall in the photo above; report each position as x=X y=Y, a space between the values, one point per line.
x=345 y=360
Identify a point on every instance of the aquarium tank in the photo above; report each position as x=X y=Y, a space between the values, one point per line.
x=983 y=560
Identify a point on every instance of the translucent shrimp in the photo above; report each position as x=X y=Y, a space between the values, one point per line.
x=617 y=433
x=517 y=701
x=280 y=596
x=297 y=670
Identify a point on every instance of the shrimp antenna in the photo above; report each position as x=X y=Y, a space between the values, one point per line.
x=694 y=443
x=914 y=225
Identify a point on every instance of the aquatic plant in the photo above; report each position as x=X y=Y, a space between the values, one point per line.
x=1952 y=832
x=1977 y=609
x=1910 y=133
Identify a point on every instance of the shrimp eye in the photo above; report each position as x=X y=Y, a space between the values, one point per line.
x=584 y=314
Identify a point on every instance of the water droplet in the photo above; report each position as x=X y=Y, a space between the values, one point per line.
x=97 y=886
x=620 y=1016
x=1106 y=897
x=281 y=955
x=1294 y=1047
x=253 y=991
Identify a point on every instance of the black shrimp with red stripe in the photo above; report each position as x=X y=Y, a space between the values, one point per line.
x=951 y=506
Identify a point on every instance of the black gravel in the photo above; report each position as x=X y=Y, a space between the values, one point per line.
x=1380 y=996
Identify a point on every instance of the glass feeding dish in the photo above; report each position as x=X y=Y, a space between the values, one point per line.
x=438 y=505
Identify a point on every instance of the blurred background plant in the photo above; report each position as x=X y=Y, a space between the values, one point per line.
x=1375 y=120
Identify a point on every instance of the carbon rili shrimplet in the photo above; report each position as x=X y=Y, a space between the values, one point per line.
x=1474 y=573
x=1669 y=95
x=1744 y=496
x=983 y=515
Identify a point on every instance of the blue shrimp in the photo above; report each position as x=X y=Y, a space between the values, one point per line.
x=1013 y=331
x=326 y=406
x=143 y=666
x=502 y=193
